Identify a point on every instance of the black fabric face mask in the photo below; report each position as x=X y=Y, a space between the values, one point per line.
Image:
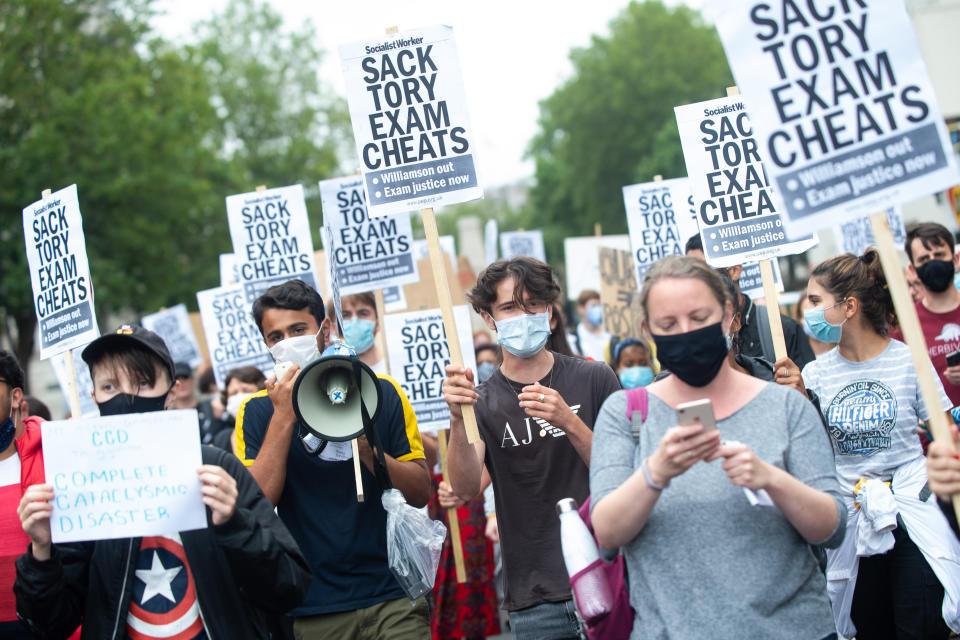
x=124 y=403
x=696 y=356
x=936 y=275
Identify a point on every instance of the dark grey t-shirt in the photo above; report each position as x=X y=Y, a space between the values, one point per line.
x=533 y=465
x=707 y=563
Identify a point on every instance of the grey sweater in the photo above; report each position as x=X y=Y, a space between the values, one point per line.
x=707 y=563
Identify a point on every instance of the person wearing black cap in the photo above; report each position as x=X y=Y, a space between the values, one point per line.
x=218 y=582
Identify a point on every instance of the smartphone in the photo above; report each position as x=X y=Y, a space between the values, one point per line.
x=702 y=410
x=953 y=359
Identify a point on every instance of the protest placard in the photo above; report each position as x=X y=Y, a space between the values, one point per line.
x=394 y=299
x=418 y=352
x=751 y=282
x=124 y=476
x=856 y=235
x=82 y=379
x=582 y=260
x=845 y=114
x=368 y=253
x=271 y=238
x=233 y=338
x=622 y=315
x=423 y=295
x=447 y=243
x=522 y=243
x=173 y=325
x=229 y=271
x=59 y=272
x=490 y=248
x=410 y=123
x=736 y=205
x=654 y=210
x=686 y=210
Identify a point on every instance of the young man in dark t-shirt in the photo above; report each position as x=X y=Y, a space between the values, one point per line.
x=930 y=248
x=535 y=415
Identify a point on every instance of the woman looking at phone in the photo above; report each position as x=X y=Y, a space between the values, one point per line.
x=699 y=556
x=871 y=403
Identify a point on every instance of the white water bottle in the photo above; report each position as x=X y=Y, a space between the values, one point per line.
x=579 y=548
x=588 y=579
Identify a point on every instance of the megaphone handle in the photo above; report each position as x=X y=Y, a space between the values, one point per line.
x=373 y=437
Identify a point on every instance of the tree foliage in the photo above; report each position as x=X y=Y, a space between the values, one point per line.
x=154 y=134
x=612 y=123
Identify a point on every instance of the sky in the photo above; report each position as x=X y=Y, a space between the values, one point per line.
x=513 y=54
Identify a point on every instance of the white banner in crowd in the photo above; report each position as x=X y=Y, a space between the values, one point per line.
x=229 y=271
x=583 y=263
x=410 y=123
x=418 y=353
x=522 y=243
x=173 y=325
x=447 y=245
x=736 y=205
x=124 y=476
x=271 y=238
x=687 y=218
x=854 y=236
x=84 y=383
x=59 y=273
x=394 y=299
x=845 y=113
x=490 y=248
x=368 y=253
x=751 y=283
x=233 y=338
x=654 y=210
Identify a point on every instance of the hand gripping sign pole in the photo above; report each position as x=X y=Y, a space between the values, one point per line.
x=73 y=389
x=912 y=334
x=452 y=518
x=770 y=292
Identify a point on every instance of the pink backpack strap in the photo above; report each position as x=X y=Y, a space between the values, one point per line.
x=637 y=401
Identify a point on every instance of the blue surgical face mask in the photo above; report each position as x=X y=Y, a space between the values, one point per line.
x=359 y=334
x=956 y=279
x=819 y=328
x=595 y=315
x=633 y=377
x=524 y=336
x=485 y=370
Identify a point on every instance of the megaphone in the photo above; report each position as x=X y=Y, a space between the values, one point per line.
x=331 y=394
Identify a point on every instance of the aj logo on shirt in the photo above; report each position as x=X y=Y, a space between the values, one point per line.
x=861 y=417
x=545 y=429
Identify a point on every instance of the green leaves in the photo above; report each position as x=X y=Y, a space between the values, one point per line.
x=612 y=124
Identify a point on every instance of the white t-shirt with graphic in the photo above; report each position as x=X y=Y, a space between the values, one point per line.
x=872 y=410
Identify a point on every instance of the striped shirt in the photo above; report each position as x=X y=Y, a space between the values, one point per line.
x=872 y=410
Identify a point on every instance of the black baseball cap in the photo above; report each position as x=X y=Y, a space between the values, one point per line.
x=182 y=370
x=125 y=335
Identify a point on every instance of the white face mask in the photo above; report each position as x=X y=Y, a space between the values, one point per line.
x=300 y=350
x=234 y=402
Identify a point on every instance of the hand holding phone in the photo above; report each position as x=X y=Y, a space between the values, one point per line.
x=953 y=359
x=698 y=410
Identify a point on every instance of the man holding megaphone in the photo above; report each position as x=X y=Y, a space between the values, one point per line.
x=294 y=438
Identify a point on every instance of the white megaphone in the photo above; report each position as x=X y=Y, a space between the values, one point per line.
x=330 y=394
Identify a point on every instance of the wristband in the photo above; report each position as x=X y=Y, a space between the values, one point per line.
x=646 y=476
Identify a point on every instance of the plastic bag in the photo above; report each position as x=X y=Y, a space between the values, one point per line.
x=414 y=543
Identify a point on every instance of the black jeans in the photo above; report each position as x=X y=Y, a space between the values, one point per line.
x=897 y=596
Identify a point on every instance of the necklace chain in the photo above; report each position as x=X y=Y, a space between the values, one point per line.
x=549 y=381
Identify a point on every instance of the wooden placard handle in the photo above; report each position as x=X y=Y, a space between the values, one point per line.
x=455 y=542
x=912 y=334
x=446 y=310
x=773 y=309
x=356 y=469
x=381 y=336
